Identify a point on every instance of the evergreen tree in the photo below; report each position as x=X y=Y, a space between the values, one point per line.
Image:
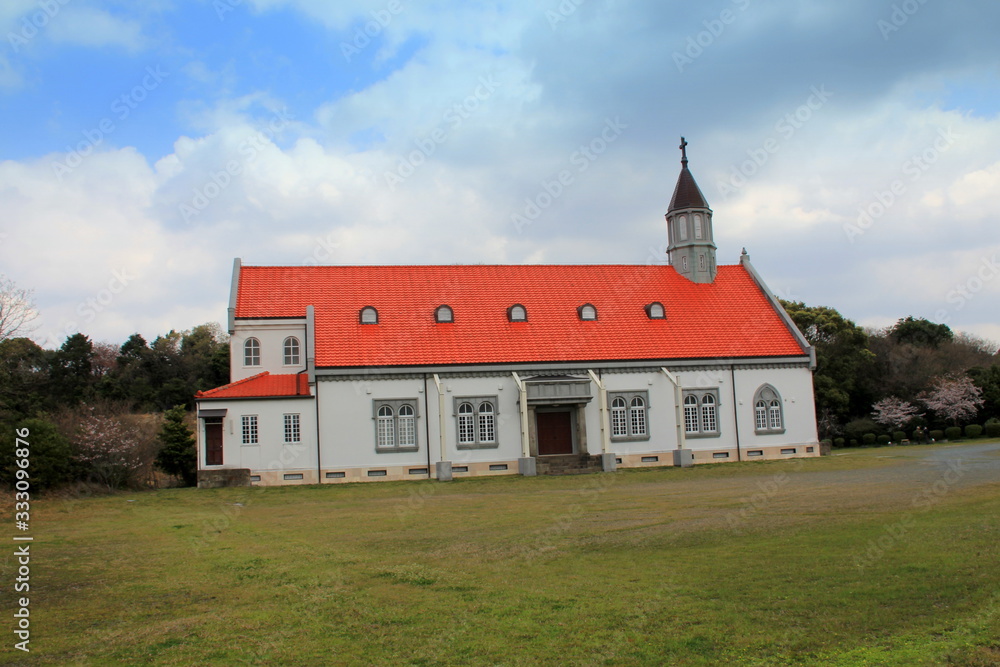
x=178 y=456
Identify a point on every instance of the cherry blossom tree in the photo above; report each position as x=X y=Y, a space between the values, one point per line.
x=894 y=412
x=110 y=448
x=953 y=397
x=17 y=310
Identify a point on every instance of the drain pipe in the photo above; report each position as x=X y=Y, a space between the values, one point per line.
x=608 y=459
x=427 y=427
x=682 y=456
x=736 y=411
x=525 y=464
x=443 y=467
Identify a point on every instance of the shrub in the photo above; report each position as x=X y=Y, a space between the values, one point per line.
x=898 y=436
x=993 y=428
x=178 y=456
x=973 y=431
x=884 y=440
x=857 y=428
x=854 y=443
x=868 y=439
x=839 y=442
x=953 y=432
x=49 y=455
x=937 y=435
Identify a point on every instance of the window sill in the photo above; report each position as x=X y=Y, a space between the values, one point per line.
x=629 y=438
x=478 y=445
x=393 y=450
x=777 y=431
x=702 y=435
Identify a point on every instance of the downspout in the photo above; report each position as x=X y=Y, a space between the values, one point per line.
x=523 y=405
x=427 y=427
x=440 y=389
x=310 y=345
x=678 y=413
x=736 y=412
x=602 y=393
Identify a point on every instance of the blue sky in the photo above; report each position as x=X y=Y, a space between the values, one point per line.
x=851 y=147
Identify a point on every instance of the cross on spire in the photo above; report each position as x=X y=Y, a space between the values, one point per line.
x=684 y=155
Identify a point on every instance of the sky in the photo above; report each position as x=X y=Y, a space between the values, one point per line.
x=853 y=148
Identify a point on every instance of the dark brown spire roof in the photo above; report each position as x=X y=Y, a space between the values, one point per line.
x=687 y=194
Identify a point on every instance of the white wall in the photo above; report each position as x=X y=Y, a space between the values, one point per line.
x=270 y=453
x=271 y=335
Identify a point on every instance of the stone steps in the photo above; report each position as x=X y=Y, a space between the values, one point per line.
x=568 y=464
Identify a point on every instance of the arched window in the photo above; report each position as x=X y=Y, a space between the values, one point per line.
x=466 y=424
x=691 y=414
x=682 y=227
x=487 y=424
x=684 y=263
x=768 y=417
x=291 y=351
x=637 y=415
x=587 y=312
x=517 y=313
x=444 y=314
x=619 y=422
x=701 y=263
x=709 y=420
x=697 y=226
x=251 y=352
x=368 y=315
x=385 y=429
x=407 y=426
x=655 y=311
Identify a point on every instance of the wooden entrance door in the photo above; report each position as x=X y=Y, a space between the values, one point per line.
x=555 y=434
x=213 y=442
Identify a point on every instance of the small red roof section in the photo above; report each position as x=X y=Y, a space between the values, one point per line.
x=262 y=385
x=730 y=318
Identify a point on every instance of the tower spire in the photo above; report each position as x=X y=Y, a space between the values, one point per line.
x=691 y=245
x=684 y=154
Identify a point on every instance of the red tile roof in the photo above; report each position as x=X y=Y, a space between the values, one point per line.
x=728 y=318
x=262 y=385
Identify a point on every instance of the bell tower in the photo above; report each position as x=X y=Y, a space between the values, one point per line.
x=690 y=239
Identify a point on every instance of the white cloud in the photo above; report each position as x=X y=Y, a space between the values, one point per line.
x=87 y=26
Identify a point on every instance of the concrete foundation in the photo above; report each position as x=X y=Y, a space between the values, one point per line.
x=609 y=462
x=527 y=467
x=443 y=471
x=217 y=479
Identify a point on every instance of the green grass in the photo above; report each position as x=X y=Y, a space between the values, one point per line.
x=764 y=563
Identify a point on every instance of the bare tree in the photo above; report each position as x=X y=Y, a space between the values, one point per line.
x=17 y=309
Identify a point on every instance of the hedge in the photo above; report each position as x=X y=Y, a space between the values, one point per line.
x=953 y=432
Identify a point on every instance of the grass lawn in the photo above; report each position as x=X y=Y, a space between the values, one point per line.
x=869 y=557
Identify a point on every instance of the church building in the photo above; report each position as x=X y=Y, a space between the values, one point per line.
x=366 y=373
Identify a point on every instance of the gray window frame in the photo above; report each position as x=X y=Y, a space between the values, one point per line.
x=395 y=404
x=627 y=396
x=759 y=396
x=699 y=394
x=442 y=308
x=476 y=402
x=510 y=313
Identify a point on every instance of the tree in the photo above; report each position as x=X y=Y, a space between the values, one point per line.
x=894 y=412
x=953 y=397
x=988 y=380
x=109 y=448
x=842 y=358
x=17 y=309
x=23 y=379
x=178 y=455
x=71 y=370
x=49 y=462
x=920 y=332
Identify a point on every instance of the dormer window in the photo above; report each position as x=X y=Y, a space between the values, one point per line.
x=517 y=313
x=444 y=314
x=587 y=312
x=655 y=311
x=368 y=315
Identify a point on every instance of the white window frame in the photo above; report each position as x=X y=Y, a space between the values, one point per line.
x=627 y=415
x=699 y=423
x=251 y=352
x=477 y=428
x=396 y=425
x=293 y=428
x=291 y=351
x=249 y=430
x=769 y=413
